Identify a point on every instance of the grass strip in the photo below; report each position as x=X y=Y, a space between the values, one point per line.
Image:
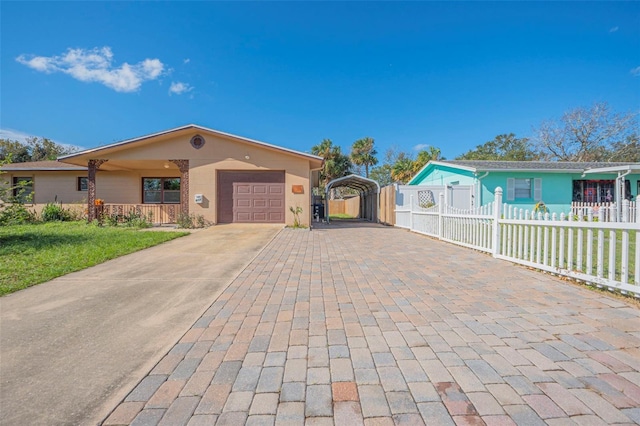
x=32 y=254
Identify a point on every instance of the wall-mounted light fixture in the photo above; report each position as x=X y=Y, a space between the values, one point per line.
x=246 y=157
x=166 y=165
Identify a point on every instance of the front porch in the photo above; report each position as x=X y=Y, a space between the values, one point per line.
x=157 y=190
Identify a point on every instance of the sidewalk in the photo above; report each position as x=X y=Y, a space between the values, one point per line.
x=361 y=324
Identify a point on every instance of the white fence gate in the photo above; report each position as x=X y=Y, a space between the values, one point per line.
x=602 y=253
x=410 y=196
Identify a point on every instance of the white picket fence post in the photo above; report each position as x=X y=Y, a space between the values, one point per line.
x=411 y=212
x=495 y=234
x=440 y=215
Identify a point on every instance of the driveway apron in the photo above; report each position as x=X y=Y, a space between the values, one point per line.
x=361 y=324
x=73 y=347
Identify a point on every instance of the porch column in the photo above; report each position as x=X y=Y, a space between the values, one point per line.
x=183 y=166
x=93 y=166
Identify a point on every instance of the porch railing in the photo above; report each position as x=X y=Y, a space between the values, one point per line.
x=156 y=213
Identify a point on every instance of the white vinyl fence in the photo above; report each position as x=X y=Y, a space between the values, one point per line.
x=605 y=212
x=603 y=253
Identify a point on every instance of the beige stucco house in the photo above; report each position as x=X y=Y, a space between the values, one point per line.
x=193 y=169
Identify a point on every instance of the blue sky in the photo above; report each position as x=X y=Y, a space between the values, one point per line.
x=409 y=74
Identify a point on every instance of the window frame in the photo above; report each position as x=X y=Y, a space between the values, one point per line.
x=162 y=190
x=29 y=192
x=79 y=183
x=535 y=189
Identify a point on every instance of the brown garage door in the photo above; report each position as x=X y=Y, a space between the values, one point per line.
x=250 y=197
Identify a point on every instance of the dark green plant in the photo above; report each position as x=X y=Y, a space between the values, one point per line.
x=135 y=220
x=12 y=200
x=53 y=212
x=16 y=214
x=296 y=216
x=191 y=221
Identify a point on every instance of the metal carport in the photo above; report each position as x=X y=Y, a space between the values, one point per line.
x=369 y=192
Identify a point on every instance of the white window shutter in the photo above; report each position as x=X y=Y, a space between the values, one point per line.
x=511 y=189
x=537 y=189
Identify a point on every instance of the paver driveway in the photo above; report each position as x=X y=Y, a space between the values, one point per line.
x=366 y=324
x=74 y=346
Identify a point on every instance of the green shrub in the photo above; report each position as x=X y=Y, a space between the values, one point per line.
x=190 y=221
x=135 y=220
x=296 y=216
x=16 y=214
x=54 y=212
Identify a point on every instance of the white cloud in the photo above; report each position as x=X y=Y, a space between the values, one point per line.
x=614 y=29
x=421 y=146
x=186 y=61
x=14 y=135
x=635 y=72
x=179 y=88
x=96 y=65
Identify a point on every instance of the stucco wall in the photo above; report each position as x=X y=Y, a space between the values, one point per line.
x=218 y=153
x=49 y=185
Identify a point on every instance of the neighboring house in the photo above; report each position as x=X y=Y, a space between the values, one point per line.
x=190 y=169
x=526 y=183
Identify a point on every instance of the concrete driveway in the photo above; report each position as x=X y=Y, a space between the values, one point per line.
x=370 y=325
x=74 y=346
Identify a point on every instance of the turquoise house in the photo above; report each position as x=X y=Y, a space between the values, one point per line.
x=527 y=183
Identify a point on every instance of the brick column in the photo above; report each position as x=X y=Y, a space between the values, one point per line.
x=183 y=166
x=94 y=166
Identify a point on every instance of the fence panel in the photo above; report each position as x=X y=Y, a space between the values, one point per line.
x=606 y=212
x=597 y=248
x=387 y=205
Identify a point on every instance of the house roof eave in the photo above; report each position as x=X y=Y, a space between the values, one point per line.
x=70 y=157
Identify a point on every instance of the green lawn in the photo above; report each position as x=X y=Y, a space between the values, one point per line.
x=341 y=216
x=32 y=254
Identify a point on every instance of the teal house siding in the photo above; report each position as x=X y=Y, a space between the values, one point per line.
x=443 y=175
x=556 y=190
x=549 y=183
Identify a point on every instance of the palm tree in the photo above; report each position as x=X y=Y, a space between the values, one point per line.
x=364 y=154
x=424 y=156
x=336 y=164
x=402 y=169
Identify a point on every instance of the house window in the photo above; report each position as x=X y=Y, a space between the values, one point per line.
x=83 y=183
x=161 y=190
x=23 y=189
x=594 y=191
x=523 y=189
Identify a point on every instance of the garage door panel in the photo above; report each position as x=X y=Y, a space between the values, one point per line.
x=276 y=217
x=243 y=189
x=251 y=196
x=259 y=189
